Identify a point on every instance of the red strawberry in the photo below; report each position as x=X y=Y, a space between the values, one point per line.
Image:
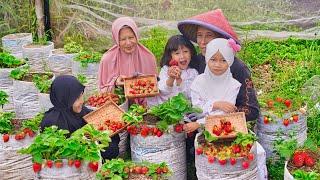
x=70 y=162
x=228 y=129
x=144 y=133
x=236 y=149
x=58 y=164
x=233 y=161
x=279 y=99
x=36 y=167
x=93 y=166
x=178 y=128
x=159 y=133
x=100 y=128
x=49 y=163
x=287 y=103
x=309 y=161
x=270 y=104
x=295 y=118
x=210 y=159
x=249 y=146
x=216 y=130
x=266 y=120
x=250 y=156
x=222 y=161
x=138 y=169
x=144 y=170
x=31 y=133
x=173 y=63
x=286 y=122
x=298 y=159
x=5 y=137
x=154 y=131
x=19 y=136
x=159 y=170
x=77 y=163
x=199 y=151
x=165 y=169
x=245 y=164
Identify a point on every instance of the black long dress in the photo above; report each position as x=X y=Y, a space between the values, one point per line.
x=64 y=91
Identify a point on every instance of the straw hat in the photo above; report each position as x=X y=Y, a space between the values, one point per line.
x=213 y=20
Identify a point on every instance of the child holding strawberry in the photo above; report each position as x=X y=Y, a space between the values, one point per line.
x=177 y=69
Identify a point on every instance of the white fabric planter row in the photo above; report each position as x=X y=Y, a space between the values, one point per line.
x=6 y=85
x=12 y=164
x=60 y=63
x=28 y=101
x=169 y=148
x=44 y=101
x=91 y=74
x=14 y=42
x=67 y=173
x=267 y=133
x=37 y=56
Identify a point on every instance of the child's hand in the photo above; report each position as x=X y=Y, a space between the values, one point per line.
x=172 y=72
x=190 y=127
x=224 y=106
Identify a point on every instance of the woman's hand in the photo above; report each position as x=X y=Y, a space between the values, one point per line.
x=120 y=80
x=190 y=127
x=224 y=106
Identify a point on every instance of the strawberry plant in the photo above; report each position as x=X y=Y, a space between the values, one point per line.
x=19 y=73
x=72 y=47
x=43 y=83
x=86 y=57
x=82 y=79
x=6 y=126
x=172 y=111
x=120 y=169
x=9 y=61
x=302 y=175
x=3 y=98
x=52 y=145
x=134 y=114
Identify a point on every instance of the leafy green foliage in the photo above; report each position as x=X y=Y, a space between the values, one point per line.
x=303 y=175
x=72 y=47
x=42 y=82
x=86 y=57
x=82 y=144
x=33 y=123
x=9 y=61
x=134 y=114
x=3 y=98
x=5 y=122
x=156 y=41
x=245 y=139
x=172 y=111
x=82 y=79
x=286 y=148
x=275 y=168
x=119 y=90
x=115 y=169
x=19 y=73
x=209 y=137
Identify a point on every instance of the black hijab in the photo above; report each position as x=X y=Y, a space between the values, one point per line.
x=64 y=91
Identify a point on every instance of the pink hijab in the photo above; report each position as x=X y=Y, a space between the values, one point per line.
x=115 y=62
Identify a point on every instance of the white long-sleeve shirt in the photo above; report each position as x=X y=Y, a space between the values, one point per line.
x=206 y=104
x=166 y=92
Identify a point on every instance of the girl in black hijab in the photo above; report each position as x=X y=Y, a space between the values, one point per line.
x=66 y=95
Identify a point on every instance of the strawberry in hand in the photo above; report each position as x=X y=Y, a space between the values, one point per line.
x=173 y=63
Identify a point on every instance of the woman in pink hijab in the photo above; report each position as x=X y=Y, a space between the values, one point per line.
x=126 y=58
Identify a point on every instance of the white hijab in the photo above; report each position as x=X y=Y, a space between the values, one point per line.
x=217 y=88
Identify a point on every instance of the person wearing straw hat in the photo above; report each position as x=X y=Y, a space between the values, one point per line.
x=205 y=27
x=66 y=95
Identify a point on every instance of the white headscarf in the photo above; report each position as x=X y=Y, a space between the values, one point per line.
x=222 y=87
